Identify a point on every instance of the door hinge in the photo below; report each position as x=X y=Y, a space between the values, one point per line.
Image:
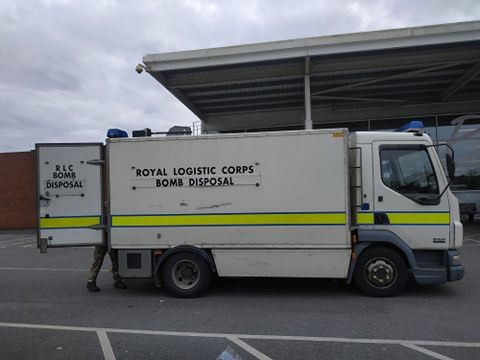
x=97 y=227
x=96 y=162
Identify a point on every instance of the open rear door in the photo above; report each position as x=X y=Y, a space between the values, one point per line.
x=70 y=196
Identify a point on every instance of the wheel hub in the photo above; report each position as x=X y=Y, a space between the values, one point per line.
x=185 y=274
x=380 y=272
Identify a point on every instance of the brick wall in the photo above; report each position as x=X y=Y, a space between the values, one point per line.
x=17 y=190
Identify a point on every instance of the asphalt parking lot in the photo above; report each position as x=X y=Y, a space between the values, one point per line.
x=47 y=313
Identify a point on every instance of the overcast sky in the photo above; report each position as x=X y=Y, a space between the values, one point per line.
x=67 y=67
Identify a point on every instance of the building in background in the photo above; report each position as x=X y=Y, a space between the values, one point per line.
x=18 y=206
x=364 y=81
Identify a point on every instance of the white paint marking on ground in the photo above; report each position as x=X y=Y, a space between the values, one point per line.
x=105 y=344
x=427 y=352
x=469 y=236
x=472 y=240
x=360 y=341
x=15 y=244
x=246 y=336
x=27 y=246
x=18 y=239
x=248 y=348
x=43 y=269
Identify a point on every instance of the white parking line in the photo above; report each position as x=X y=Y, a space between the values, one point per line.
x=472 y=240
x=427 y=352
x=105 y=344
x=259 y=355
x=469 y=236
x=17 y=239
x=15 y=244
x=412 y=344
x=42 y=269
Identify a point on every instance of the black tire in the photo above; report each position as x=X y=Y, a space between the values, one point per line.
x=380 y=271
x=186 y=275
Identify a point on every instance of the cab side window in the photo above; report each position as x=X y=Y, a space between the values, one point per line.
x=408 y=171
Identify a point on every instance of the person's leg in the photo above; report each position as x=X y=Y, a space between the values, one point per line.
x=119 y=284
x=98 y=256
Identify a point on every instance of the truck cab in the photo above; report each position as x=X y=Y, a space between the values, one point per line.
x=404 y=203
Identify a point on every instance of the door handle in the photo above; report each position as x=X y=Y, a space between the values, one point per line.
x=41 y=197
x=381 y=218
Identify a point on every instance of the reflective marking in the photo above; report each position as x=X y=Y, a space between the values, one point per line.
x=69 y=222
x=105 y=344
x=248 y=348
x=261 y=219
x=422 y=218
x=426 y=351
x=407 y=218
x=337 y=134
x=364 y=218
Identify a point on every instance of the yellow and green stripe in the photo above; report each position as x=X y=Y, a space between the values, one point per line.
x=73 y=222
x=365 y=218
x=407 y=218
x=242 y=219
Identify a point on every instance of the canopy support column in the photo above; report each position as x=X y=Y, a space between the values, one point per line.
x=308 y=99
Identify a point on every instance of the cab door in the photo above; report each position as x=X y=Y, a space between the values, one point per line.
x=70 y=196
x=407 y=186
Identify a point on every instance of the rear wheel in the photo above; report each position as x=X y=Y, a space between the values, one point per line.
x=186 y=275
x=380 y=271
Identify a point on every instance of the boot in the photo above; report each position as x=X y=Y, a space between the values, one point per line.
x=92 y=286
x=119 y=284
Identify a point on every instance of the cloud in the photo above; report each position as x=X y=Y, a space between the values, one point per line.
x=67 y=67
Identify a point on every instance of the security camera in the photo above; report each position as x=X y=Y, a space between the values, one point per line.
x=139 y=68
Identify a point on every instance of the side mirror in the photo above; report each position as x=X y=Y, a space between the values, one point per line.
x=450 y=166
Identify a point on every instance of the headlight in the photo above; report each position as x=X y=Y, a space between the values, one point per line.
x=456 y=260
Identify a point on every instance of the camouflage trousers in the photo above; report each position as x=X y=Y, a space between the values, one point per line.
x=98 y=257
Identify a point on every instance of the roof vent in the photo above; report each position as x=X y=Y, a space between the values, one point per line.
x=174 y=130
x=179 y=130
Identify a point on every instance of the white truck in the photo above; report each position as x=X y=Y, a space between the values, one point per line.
x=373 y=208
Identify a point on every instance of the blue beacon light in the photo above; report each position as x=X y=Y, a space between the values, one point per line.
x=116 y=133
x=411 y=126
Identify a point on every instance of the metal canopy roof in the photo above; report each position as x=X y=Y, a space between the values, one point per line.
x=432 y=69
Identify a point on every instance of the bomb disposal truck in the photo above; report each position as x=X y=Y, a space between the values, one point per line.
x=373 y=208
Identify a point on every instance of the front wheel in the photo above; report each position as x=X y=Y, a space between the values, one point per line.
x=186 y=275
x=380 y=271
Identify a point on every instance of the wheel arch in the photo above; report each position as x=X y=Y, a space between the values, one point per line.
x=205 y=254
x=375 y=238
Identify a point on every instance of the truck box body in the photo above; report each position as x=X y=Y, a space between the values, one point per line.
x=251 y=199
